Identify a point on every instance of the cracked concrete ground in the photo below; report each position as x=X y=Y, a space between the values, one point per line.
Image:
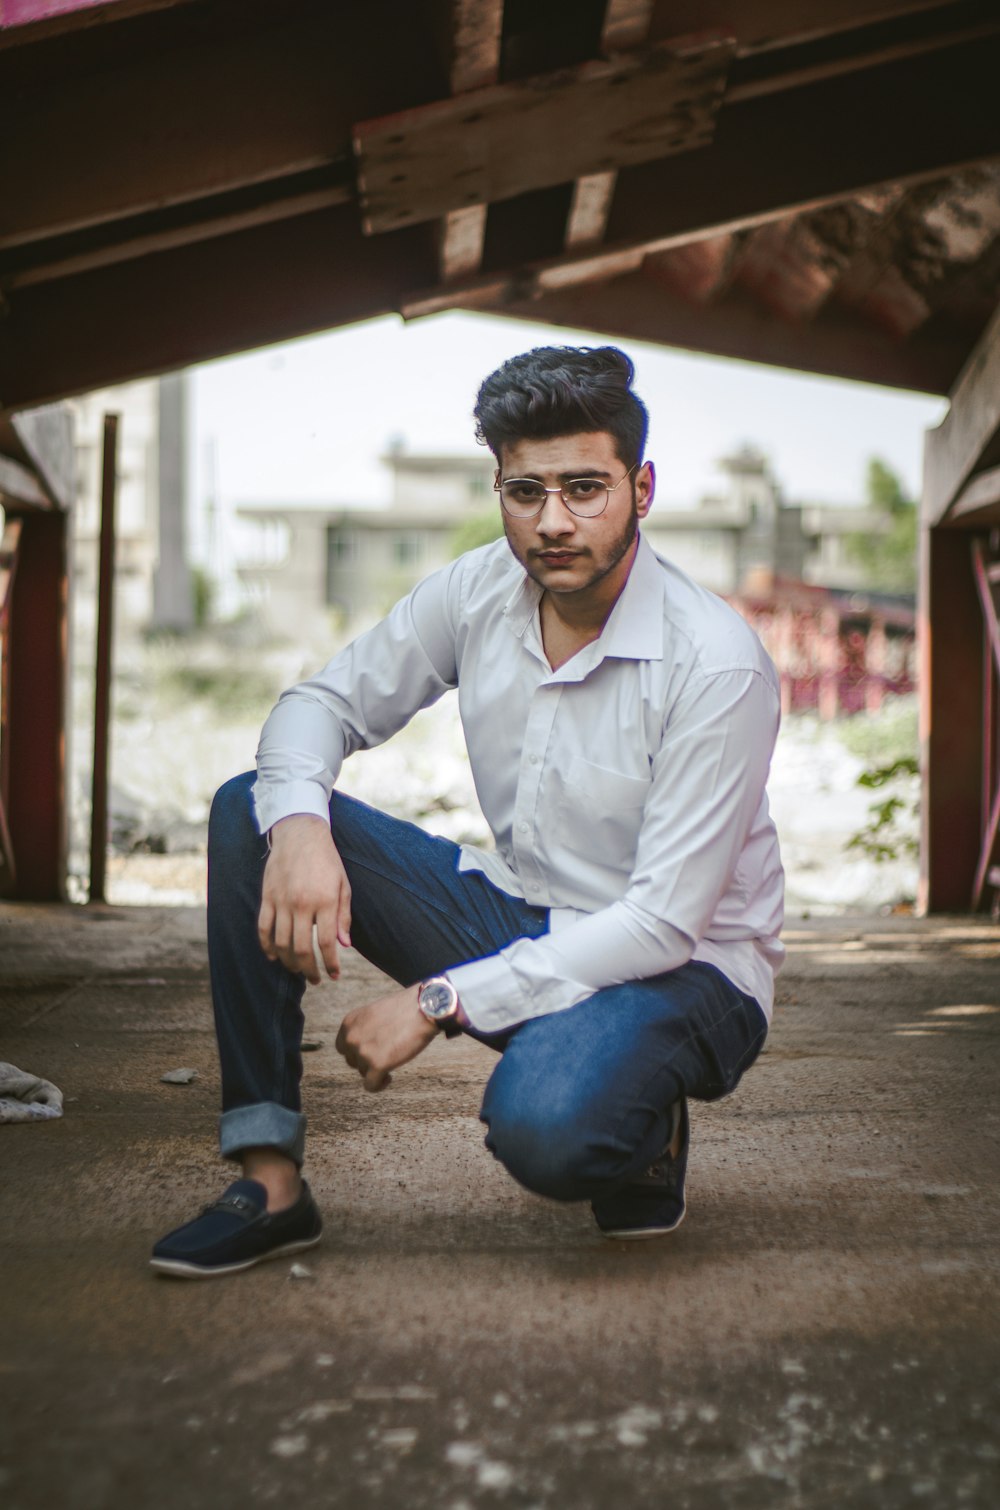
x=822 y=1331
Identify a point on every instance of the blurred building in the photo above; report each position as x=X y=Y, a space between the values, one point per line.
x=300 y=564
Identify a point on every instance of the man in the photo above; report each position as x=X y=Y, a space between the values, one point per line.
x=618 y=946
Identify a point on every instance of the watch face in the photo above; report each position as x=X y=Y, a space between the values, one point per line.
x=438 y=998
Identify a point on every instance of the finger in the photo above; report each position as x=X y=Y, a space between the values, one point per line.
x=325 y=948
x=344 y=915
x=265 y=928
x=302 y=937
x=376 y=1080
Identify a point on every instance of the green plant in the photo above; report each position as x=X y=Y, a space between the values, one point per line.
x=883 y=836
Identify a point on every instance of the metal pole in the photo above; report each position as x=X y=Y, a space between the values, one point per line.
x=102 y=669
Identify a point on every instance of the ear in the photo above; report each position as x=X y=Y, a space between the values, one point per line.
x=645 y=487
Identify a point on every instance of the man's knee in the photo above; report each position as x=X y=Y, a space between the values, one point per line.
x=547 y=1150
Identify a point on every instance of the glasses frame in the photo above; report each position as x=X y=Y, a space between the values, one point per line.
x=609 y=487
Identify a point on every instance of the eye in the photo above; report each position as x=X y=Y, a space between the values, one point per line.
x=584 y=489
x=522 y=490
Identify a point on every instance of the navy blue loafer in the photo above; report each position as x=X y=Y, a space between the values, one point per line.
x=237 y=1232
x=654 y=1203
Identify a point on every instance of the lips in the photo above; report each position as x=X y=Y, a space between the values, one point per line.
x=557 y=558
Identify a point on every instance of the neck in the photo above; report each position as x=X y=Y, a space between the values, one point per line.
x=587 y=611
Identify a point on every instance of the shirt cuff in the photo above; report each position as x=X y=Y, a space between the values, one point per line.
x=290 y=799
x=489 y=993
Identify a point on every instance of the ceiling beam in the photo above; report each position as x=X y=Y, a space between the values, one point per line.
x=185 y=112
x=476 y=29
x=626 y=24
x=634 y=307
x=962 y=443
x=908 y=122
x=536 y=133
x=232 y=293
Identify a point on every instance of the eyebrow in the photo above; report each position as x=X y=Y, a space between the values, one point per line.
x=569 y=476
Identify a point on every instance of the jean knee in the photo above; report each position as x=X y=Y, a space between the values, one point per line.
x=545 y=1153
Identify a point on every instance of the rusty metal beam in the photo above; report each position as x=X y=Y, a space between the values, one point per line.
x=103 y=662
x=768 y=25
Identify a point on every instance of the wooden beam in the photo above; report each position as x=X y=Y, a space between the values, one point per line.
x=101 y=135
x=157 y=313
x=535 y=133
x=950 y=637
x=193 y=227
x=20 y=487
x=626 y=24
x=767 y=25
x=953 y=452
x=476 y=28
x=837 y=345
x=978 y=504
x=35 y=710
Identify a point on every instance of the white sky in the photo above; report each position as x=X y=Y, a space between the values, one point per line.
x=307 y=421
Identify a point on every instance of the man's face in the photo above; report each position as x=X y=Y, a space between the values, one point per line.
x=561 y=551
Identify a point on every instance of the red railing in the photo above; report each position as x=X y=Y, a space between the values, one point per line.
x=8 y=566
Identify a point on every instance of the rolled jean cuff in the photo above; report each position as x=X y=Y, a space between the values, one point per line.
x=265 y=1125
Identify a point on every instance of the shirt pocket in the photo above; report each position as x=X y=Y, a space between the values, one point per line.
x=599 y=813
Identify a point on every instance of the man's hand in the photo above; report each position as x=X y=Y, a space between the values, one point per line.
x=304 y=883
x=383 y=1035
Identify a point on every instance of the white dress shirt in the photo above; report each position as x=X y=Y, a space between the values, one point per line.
x=625 y=790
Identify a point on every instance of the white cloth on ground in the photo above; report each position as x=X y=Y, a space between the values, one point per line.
x=27 y=1098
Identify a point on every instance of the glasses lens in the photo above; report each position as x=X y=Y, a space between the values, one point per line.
x=586 y=495
x=522 y=496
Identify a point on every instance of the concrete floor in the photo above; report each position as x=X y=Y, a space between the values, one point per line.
x=821 y=1332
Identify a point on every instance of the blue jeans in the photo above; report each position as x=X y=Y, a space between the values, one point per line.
x=580 y=1101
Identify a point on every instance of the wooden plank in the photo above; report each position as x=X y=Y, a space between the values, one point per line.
x=767 y=25
x=950 y=639
x=193 y=229
x=20 y=487
x=978 y=504
x=271 y=96
x=626 y=25
x=476 y=29
x=952 y=452
x=477 y=26
x=588 y=214
x=35 y=710
x=232 y=293
x=531 y=134
x=837 y=345
x=463 y=234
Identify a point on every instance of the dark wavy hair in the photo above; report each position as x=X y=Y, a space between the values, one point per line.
x=562 y=390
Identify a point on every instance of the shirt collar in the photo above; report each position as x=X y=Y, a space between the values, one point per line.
x=634 y=630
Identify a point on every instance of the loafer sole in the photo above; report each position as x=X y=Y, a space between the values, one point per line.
x=637 y=1234
x=181 y=1268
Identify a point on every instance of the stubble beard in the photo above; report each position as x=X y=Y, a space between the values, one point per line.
x=615 y=553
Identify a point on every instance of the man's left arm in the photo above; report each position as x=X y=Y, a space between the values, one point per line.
x=708 y=782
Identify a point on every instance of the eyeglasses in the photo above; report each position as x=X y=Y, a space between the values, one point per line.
x=524 y=497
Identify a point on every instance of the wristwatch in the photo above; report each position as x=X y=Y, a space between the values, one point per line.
x=438 y=1001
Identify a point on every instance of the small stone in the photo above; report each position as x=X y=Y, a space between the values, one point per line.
x=310 y=1045
x=300 y=1271
x=290 y=1447
x=179 y=1077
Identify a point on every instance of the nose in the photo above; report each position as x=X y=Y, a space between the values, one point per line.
x=555 y=518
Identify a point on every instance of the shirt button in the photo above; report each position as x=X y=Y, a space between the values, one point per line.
x=532 y=759
x=523 y=826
